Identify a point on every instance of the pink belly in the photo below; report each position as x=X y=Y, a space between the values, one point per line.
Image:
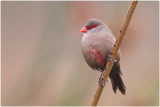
x=98 y=56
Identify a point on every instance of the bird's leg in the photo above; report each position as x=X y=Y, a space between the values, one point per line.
x=100 y=82
x=109 y=58
x=100 y=79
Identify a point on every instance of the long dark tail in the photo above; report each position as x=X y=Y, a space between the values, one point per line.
x=115 y=76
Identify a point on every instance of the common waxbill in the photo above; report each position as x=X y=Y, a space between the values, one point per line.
x=97 y=44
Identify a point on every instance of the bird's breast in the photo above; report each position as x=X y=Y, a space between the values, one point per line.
x=92 y=52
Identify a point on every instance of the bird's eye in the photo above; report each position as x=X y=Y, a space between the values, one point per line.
x=91 y=27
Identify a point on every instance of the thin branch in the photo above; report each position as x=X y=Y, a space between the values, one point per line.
x=114 y=53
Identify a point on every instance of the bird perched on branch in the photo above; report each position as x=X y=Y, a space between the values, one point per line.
x=97 y=44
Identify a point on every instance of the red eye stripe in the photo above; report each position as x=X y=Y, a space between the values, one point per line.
x=88 y=27
x=92 y=26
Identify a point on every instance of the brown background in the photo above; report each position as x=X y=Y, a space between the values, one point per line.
x=42 y=63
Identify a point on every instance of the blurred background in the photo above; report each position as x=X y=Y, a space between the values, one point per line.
x=42 y=63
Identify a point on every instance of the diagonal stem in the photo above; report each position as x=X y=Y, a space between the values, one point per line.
x=114 y=53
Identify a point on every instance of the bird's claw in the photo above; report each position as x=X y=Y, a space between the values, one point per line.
x=100 y=82
x=109 y=58
x=100 y=79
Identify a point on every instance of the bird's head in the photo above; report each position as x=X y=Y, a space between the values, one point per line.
x=94 y=26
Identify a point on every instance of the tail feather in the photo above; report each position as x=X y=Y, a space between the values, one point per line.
x=115 y=76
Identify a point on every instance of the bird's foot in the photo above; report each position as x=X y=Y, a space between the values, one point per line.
x=109 y=58
x=100 y=79
x=100 y=82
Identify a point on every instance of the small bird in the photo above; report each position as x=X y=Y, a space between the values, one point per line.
x=96 y=45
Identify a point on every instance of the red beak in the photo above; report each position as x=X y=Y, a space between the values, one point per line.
x=84 y=29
